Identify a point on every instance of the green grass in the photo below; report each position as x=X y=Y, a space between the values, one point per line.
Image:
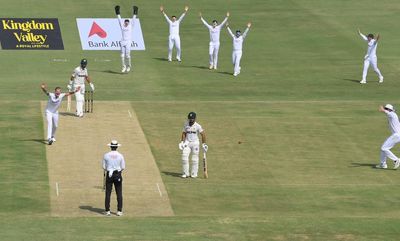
x=309 y=132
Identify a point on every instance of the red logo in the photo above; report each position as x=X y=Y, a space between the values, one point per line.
x=96 y=29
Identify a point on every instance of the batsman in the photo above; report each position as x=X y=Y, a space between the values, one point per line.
x=190 y=144
x=78 y=78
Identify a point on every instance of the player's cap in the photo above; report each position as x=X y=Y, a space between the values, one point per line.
x=389 y=107
x=114 y=143
x=192 y=115
x=84 y=62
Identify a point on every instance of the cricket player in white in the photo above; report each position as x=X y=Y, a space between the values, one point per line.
x=370 y=58
x=174 y=38
x=215 y=31
x=190 y=144
x=238 y=39
x=126 y=41
x=394 y=126
x=78 y=78
x=53 y=104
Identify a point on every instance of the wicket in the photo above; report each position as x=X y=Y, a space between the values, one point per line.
x=89 y=101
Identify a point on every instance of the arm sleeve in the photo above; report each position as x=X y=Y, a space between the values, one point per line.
x=205 y=23
x=122 y=162
x=230 y=32
x=104 y=163
x=74 y=73
x=245 y=33
x=181 y=17
x=201 y=129
x=166 y=17
x=363 y=37
x=121 y=23
x=223 y=22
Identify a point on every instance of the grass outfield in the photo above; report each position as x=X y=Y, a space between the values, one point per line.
x=309 y=132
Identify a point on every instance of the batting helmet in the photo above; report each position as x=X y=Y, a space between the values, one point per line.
x=83 y=62
x=192 y=115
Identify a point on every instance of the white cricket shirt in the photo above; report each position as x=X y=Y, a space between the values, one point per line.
x=393 y=120
x=126 y=31
x=54 y=103
x=174 y=26
x=113 y=161
x=214 y=31
x=372 y=45
x=79 y=75
x=192 y=131
x=238 y=41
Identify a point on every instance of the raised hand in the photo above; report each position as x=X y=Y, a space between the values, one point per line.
x=227 y=14
x=200 y=14
x=186 y=8
x=249 y=24
x=161 y=8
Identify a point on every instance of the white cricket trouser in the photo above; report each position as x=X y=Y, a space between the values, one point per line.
x=174 y=40
x=387 y=145
x=236 y=56
x=194 y=148
x=371 y=61
x=213 y=51
x=126 y=53
x=80 y=99
x=52 y=123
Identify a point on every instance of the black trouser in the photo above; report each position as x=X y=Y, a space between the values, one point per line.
x=115 y=179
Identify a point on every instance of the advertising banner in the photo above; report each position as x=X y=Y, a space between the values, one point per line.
x=30 y=34
x=105 y=34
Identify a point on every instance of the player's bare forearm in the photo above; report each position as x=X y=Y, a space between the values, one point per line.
x=381 y=109
x=88 y=79
x=73 y=92
x=203 y=137
x=43 y=87
x=183 y=137
x=377 y=38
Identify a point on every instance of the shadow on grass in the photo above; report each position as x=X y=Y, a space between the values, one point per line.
x=42 y=141
x=67 y=114
x=92 y=209
x=353 y=80
x=160 y=59
x=111 y=72
x=355 y=164
x=173 y=174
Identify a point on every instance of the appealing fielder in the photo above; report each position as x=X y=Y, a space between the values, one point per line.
x=215 y=31
x=53 y=104
x=113 y=164
x=190 y=144
x=391 y=141
x=370 y=58
x=174 y=38
x=126 y=40
x=238 y=39
x=78 y=78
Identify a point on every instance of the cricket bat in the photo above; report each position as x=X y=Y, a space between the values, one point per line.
x=69 y=103
x=205 y=165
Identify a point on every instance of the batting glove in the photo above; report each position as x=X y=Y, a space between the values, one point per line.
x=92 y=86
x=205 y=147
x=69 y=87
x=181 y=145
x=117 y=10
x=135 y=10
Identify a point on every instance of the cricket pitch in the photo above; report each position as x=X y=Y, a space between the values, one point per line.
x=74 y=164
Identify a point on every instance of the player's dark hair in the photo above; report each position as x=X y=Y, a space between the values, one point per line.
x=173 y=16
x=370 y=35
x=126 y=20
x=57 y=88
x=215 y=21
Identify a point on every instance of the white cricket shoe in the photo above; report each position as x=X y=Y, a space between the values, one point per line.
x=211 y=66
x=193 y=176
x=128 y=69
x=119 y=213
x=123 y=69
x=380 y=166
x=363 y=81
x=215 y=67
x=169 y=60
x=179 y=59
x=381 y=79
x=184 y=175
x=107 y=213
x=396 y=164
x=53 y=139
x=235 y=74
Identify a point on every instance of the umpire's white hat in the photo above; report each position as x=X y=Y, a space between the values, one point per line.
x=389 y=107
x=114 y=143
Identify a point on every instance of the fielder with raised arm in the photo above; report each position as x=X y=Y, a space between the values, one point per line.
x=215 y=31
x=53 y=104
x=391 y=141
x=190 y=144
x=78 y=78
x=238 y=39
x=126 y=40
x=174 y=39
x=370 y=58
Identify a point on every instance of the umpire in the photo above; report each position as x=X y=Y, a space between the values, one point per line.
x=113 y=164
